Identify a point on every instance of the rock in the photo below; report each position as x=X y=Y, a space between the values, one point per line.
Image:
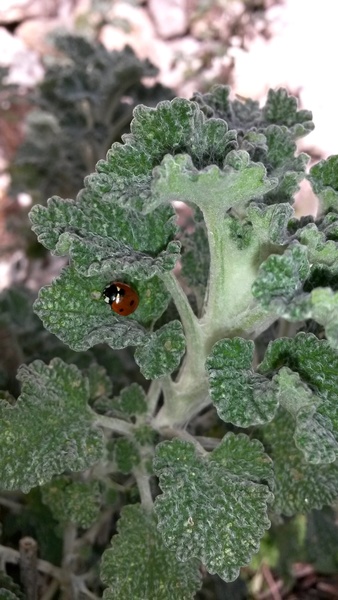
x=24 y=65
x=14 y=11
x=170 y=17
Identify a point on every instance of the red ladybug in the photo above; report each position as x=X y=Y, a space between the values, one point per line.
x=121 y=297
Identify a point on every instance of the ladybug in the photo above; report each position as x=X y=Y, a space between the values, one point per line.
x=121 y=297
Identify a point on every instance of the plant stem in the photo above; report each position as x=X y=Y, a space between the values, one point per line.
x=143 y=484
x=182 y=434
x=153 y=395
x=116 y=425
x=190 y=322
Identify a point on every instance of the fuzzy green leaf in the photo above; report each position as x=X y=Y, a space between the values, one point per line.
x=72 y=308
x=126 y=455
x=269 y=223
x=174 y=127
x=162 y=352
x=281 y=109
x=313 y=396
x=99 y=382
x=246 y=115
x=102 y=237
x=324 y=179
x=234 y=185
x=282 y=163
x=312 y=432
x=76 y=502
x=49 y=429
x=132 y=400
x=300 y=486
x=321 y=251
x=281 y=278
x=209 y=511
x=241 y=396
x=139 y=566
x=323 y=308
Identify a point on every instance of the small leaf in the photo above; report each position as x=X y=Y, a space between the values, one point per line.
x=126 y=455
x=161 y=354
x=324 y=179
x=209 y=511
x=314 y=391
x=281 y=278
x=312 y=432
x=281 y=109
x=241 y=396
x=76 y=502
x=300 y=486
x=132 y=400
x=320 y=250
x=49 y=430
x=139 y=566
x=99 y=381
x=282 y=163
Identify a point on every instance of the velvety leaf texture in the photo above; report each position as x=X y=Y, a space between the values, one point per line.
x=97 y=220
x=300 y=486
x=53 y=423
x=245 y=114
x=241 y=396
x=314 y=392
x=163 y=351
x=313 y=432
x=208 y=511
x=239 y=181
x=132 y=400
x=281 y=278
x=72 y=308
x=324 y=179
x=126 y=455
x=99 y=382
x=76 y=502
x=139 y=566
x=174 y=127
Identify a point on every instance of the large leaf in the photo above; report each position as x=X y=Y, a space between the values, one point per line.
x=300 y=486
x=308 y=384
x=214 y=507
x=49 y=430
x=72 y=308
